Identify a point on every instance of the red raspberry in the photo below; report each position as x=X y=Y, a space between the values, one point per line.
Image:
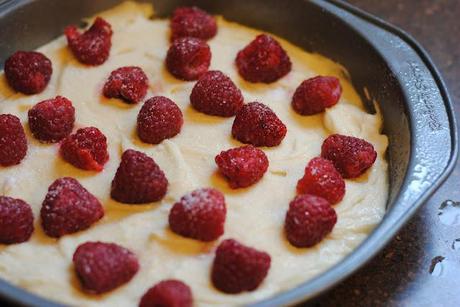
x=238 y=268
x=258 y=125
x=86 y=149
x=316 y=94
x=138 y=179
x=242 y=166
x=188 y=58
x=168 y=293
x=52 y=120
x=216 y=94
x=351 y=156
x=199 y=215
x=323 y=180
x=16 y=220
x=159 y=119
x=102 y=267
x=13 y=143
x=93 y=46
x=192 y=22
x=128 y=83
x=28 y=72
x=263 y=60
x=68 y=208
x=309 y=219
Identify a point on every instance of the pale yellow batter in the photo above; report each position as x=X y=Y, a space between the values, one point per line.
x=255 y=215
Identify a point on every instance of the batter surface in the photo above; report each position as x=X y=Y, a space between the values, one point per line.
x=255 y=215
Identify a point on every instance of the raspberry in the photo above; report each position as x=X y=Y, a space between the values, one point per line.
x=258 y=125
x=159 y=119
x=263 y=60
x=138 y=179
x=93 y=46
x=86 y=149
x=188 y=58
x=351 y=156
x=192 y=22
x=128 y=83
x=168 y=293
x=68 y=208
x=102 y=267
x=13 y=143
x=309 y=219
x=52 y=120
x=28 y=72
x=199 y=215
x=16 y=220
x=323 y=180
x=216 y=94
x=238 y=268
x=316 y=94
x=242 y=166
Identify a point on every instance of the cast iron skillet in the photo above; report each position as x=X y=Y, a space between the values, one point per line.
x=385 y=65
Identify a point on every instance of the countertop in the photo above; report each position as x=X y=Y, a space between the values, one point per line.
x=421 y=266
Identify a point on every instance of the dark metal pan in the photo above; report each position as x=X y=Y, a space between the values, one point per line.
x=391 y=66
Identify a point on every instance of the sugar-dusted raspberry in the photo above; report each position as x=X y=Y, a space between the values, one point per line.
x=316 y=94
x=86 y=149
x=138 y=179
x=68 y=208
x=168 y=293
x=237 y=268
x=351 y=156
x=216 y=94
x=102 y=267
x=322 y=179
x=309 y=219
x=16 y=220
x=188 y=58
x=192 y=22
x=242 y=166
x=28 y=72
x=263 y=60
x=52 y=120
x=199 y=215
x=13 y=143
x=93 y=46
x=128 y=83
x=258 y=125
x=159 y=119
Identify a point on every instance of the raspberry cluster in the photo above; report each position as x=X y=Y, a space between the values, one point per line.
x=68 y=207
x=28 y=72
x=127 y=83
x=52 y=120
x=93 y=46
